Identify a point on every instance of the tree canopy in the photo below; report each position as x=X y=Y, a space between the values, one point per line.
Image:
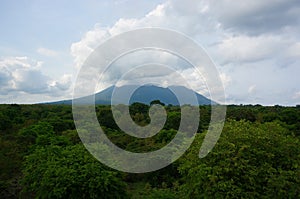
x=257 y=155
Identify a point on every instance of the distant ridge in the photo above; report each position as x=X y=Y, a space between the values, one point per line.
x=144 y=94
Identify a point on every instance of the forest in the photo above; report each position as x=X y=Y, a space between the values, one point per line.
x=257 y=155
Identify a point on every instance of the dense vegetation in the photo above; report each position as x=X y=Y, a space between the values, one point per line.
x=257 y=155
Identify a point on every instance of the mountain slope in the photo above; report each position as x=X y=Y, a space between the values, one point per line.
x=144 y=94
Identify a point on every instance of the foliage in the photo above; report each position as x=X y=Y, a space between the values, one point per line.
x=249 y=161
x=146 y=191
x=257 y=155
x=69 y=172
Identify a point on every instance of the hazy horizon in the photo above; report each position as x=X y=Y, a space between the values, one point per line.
x=99 y=91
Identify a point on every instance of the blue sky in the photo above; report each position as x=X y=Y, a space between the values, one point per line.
x=55 y=25
x=255 y=44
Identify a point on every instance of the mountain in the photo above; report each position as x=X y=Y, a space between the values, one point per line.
x=144 y=94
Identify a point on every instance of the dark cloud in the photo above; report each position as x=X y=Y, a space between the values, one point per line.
x=257 y=17
x=22 y=75
x=30 y=81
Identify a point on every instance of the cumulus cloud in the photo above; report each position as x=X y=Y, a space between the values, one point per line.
x=23 y=75
x=187 y=18
x=250 y=49
x=239 y=35
x=255 y=45
x=256 y=17
x=210 y=21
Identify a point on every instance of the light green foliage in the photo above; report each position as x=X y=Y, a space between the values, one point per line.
x=249 y=161
x=69 y=172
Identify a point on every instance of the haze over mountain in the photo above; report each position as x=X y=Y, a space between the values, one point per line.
x=144 y=94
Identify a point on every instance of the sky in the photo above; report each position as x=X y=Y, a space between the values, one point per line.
x=254 y=44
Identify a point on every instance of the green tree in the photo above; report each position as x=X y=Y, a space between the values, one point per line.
x=5 y=122
x=69 y=172
x=157 y=102
x=249 y=161
x=29 y=134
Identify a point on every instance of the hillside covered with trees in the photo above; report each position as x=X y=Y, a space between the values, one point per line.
x=257 y=155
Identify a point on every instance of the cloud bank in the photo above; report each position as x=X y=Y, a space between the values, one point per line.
x=21 y=75
x=254 y=44
x=251 y=42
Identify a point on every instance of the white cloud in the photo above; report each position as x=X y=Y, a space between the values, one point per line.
x=239 y=35
x=255 y=44
x=245 y=48
x=188 y=18
x=226 y=79
x=16 y=62
x=80 y=50
x=21 y=75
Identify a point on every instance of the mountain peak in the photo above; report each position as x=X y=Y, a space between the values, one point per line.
x=145 y=94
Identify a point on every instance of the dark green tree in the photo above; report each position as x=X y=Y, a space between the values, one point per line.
x=157 y=102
